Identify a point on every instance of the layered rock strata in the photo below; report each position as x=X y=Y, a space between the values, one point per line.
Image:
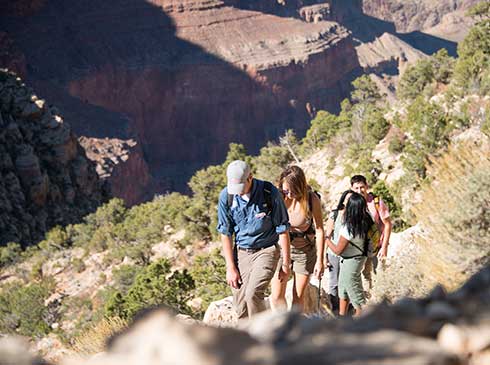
x=121 y=164
x=188 y=77
x=414 y=15
x=45 y=178
x=184 y=78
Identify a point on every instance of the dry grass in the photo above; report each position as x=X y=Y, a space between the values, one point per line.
x=454 y=212
x=94 y=340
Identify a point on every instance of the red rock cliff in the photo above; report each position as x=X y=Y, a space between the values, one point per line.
x=185 y=77
x=409 y=16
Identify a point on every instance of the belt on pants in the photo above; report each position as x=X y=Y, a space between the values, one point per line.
x=253 y=250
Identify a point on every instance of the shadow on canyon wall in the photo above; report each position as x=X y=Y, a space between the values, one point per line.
x=117 y=69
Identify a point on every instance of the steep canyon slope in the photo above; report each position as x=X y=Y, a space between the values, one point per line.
x=183 y=78
x=45 y=177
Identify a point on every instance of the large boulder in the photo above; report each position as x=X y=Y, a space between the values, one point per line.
x=159 y=338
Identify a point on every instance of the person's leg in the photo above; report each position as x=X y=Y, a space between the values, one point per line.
x=333 y=274
x=301 y=281
x=264 y=263
x=343 y=306
x=358 y=312
x=278 y=290
x=343 y=295
x=244 y=260
x=333 y=280
x=304 y=260
x=355 y=290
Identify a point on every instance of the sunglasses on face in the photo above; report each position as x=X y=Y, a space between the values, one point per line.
x=287 y=192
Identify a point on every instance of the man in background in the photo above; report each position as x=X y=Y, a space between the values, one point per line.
x=381 y=216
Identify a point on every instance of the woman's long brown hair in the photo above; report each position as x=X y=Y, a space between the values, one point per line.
x=295 y=177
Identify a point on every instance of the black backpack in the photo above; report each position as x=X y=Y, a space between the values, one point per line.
x=267 y=197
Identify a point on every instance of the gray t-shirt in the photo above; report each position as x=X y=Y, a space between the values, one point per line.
x=336 y=230
x=351 y=250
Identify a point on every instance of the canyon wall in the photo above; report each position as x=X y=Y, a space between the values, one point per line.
x=414 y=15
x=185 y=78
x=45 y=177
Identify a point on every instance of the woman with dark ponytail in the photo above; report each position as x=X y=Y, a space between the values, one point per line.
x=352 y=247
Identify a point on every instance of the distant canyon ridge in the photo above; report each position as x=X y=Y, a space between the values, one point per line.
x=158 y=89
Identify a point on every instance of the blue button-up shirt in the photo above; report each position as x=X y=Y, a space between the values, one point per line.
x=251 y=222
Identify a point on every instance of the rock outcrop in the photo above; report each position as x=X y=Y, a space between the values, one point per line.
x=444 y=329
x=45 y=177
x=121 y=164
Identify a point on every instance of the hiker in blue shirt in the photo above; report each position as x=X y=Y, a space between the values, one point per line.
x=254 y=212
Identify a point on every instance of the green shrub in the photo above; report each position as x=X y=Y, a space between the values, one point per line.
x=443 y=66
x=56 y=239
x=474 y=52
x=361 y=162
x=415 y=79
x=80 y=312
x=37 y=269
x=22 y=309
x=111 y=213
x=485 y=127
x=396 y=145
x=381 y=189
x=10 y=254
x=209 y=274
x=429 y=128
x=314 y=184
x=271 y=161
x=365 y=91
x=155 y=285
x=148 y=222
x=375 y=125
x=78 y=265
x=124 y=277
x=323 y=128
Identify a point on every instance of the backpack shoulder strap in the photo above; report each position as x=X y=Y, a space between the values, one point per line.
x=268 y=195
x=310 y=200
x=376 y=201
x=230 y=200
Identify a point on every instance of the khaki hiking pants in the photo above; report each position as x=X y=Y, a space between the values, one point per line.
x=256 y=270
